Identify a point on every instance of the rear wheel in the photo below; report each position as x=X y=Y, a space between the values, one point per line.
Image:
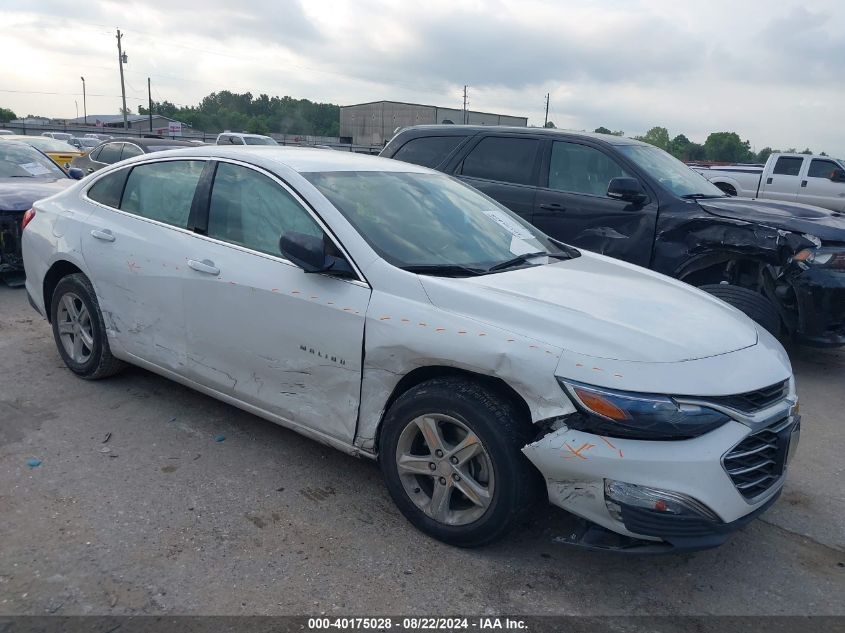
x=451 y=459
x=753 y=304
x=79 y=329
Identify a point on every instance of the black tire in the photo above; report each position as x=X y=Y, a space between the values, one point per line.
x=753 y=304
x=100 y=362
x=502 y=431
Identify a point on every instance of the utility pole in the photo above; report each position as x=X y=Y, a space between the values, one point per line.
x=466 y=118
x=121 y=59
x=150 y=101
x=84 y=102
x=546 y=120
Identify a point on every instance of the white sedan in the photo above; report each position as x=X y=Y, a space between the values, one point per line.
x=395 y=313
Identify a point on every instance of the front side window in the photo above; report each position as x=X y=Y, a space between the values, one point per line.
x=581 y=169
x=428 y=151
x=822 y=168
x=425 y=220
x=788 y=166
x=107 y=189
x=162 y=191
x=504 y=159
x=109 y=153
x=249 y=209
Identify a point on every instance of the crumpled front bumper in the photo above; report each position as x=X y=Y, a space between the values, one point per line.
x=820 y=298
x=575 y=465
x=10 y=241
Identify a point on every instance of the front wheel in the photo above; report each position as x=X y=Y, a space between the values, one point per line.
x=451 y=459
x=753 y=304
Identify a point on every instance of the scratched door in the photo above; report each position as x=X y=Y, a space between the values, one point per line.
x=136 y=258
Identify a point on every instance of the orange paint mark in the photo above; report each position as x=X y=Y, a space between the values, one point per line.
x=620 y=453
x=607 y=441
x=578 y=453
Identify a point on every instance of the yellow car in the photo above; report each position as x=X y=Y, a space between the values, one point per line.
x=59 y=151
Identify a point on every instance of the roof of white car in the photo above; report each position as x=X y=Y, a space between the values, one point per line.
x=300 y=159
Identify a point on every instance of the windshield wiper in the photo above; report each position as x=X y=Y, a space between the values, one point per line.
x=701 y=196
x=522 y=259
x=444 y=270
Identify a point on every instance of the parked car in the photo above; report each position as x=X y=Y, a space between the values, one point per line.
x=6 y=132
x=816 y=180
x=781 y=263
x=26 y=175
x=100 y=137
x=396 y=313
x=59 y=151
x=83 y=144
x=59 y=136
x=238 y=138
x=115 y=150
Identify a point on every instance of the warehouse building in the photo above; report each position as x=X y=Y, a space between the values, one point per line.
x=376 y=122
x=161 y=124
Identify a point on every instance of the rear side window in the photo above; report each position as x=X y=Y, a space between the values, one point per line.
x=162 y=191
x=109 y=153
x=821 y=168
x=581 y=169
x=107 y=189
x=428 y=151
x=788 y=166
x=249 y=209
x=503 y=159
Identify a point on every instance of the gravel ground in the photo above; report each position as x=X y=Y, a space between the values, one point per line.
x=195 y=507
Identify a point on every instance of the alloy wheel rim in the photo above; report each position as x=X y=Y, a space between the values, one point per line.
x=75 y=329
x=445 y=469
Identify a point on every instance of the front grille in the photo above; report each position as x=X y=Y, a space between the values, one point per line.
x=757 y=462
x=752 y=401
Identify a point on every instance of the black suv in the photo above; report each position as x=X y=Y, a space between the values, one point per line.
x=781 y=263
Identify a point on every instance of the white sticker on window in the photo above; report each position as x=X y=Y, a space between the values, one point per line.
x=509 y=225
x=36 y=169
x=521 y=247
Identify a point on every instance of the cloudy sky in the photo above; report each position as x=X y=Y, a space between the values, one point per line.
x=772 y=71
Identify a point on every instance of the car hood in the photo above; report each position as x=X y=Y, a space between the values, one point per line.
x=789 y=216
x=599 y=307
x=18 y=194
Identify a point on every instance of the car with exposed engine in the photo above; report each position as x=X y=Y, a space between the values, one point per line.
x=780 y=262
x=398 y=314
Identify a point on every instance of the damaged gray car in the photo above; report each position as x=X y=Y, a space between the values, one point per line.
x=781 y=263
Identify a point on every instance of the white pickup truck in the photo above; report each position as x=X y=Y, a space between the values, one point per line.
x=816 y=180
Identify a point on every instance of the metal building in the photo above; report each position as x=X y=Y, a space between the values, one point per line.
x=375 y=123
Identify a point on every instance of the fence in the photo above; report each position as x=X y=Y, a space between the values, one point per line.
x=188 y=134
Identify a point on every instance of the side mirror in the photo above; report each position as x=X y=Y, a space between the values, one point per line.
x=837 y=175
x=625 y=188
x=76 y=173
x=309 y=253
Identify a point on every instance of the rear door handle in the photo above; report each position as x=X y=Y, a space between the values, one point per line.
x=205 y=266
x=552 y=206
x=103 y=234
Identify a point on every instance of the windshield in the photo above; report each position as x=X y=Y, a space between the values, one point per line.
x=431 y=220
x=47 y=144
x=259 y=140
x=21 y=161
x=670 y=172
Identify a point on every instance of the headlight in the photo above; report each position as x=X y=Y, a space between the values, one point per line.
x=828 y=257
x=638 y=415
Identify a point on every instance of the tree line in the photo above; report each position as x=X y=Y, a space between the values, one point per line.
x=263 y=114
x=719 y=146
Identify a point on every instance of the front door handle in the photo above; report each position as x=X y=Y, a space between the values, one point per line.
x=103 y=234
x=90 y=170
x=205 y=266
x=552 y=206
x=803 y=183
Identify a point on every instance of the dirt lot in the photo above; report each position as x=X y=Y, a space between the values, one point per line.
x=194 y=507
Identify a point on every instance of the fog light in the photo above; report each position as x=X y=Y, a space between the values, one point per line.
x=618 y=493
